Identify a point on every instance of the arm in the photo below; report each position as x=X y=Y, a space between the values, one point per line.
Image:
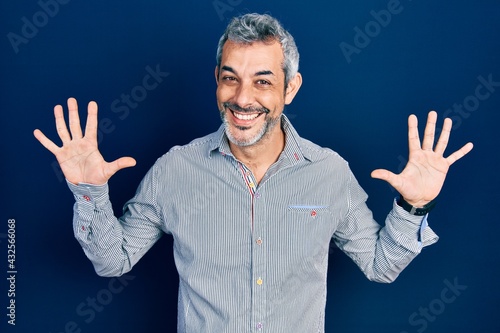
x=382 y=253
x=113 y=245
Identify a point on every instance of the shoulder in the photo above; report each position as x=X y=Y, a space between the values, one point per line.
x=310 y=150
x=317 y=153
x=196 y=150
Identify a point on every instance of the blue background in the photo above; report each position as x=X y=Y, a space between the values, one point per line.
x=429 y=56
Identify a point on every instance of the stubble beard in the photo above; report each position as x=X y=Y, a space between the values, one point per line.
x=265 y=130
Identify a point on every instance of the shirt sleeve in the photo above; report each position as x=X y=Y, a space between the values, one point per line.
x=381 y=252
x=114 y=245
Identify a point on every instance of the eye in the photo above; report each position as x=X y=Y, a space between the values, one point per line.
x=263 y=82
x=228 y=78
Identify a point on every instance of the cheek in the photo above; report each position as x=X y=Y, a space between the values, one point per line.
x=218 y=93
x=272 y=100
x=223 y=94
x=274 y=103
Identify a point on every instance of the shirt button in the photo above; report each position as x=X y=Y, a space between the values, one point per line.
x=259 y=281
x=257 y=195
x=259 y=326
x=259 y=241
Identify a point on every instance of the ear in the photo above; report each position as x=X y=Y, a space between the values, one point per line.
x=292 y=88
x=217 y=74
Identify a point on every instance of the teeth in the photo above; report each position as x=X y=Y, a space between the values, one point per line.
x=246 y=116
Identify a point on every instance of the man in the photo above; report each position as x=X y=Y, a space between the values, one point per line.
x=253 y=257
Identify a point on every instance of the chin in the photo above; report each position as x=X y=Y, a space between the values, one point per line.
x=244 y=140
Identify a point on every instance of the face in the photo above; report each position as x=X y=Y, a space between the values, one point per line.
x=251 y=91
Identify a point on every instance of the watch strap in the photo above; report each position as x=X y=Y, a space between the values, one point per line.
x=415 y=210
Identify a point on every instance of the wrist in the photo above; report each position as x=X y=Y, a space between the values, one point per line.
x=418 y=209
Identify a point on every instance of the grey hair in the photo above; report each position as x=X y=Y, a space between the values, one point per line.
x=251 y=28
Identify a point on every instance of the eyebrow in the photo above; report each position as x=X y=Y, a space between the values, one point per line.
x=267 y=72
x=263 y=72
x=227 y=68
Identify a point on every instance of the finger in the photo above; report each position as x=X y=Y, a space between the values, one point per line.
x=429 y=132
x=121 y=163
x=62 y=130
x=74 y=119
x=460 y=153
x=91 y=127
x=413 y=138
x=46 y=142
x=443 y=137
x=386 y=175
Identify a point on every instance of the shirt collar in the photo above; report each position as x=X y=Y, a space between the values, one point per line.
x=292 y=151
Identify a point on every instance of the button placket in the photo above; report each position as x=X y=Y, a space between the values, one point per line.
x=259 y=263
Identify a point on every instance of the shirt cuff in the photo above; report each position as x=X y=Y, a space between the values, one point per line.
x=96 y=195
x=413 y=226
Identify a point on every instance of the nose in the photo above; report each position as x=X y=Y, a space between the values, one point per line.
x=244 y=96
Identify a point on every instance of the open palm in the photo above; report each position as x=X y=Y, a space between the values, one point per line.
x=79 y=157
x=423 y=177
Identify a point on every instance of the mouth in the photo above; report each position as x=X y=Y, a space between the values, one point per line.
x=246 y=116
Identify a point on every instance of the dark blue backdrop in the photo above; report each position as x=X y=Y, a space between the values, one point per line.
x=366 y=66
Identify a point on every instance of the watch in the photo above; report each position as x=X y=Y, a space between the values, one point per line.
x=415 y=210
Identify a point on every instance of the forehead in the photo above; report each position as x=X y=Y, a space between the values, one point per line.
x=255 y=56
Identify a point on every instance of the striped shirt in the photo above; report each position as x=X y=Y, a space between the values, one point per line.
x=250 y=257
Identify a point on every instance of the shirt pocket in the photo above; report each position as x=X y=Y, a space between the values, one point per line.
x=308 y=213
x=312 y=223
x=304 y=235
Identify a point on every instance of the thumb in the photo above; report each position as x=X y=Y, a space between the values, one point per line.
x=118 y=164
x=383 y=174
x=394 y=180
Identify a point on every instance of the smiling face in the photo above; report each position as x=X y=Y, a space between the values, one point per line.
x=251 y=91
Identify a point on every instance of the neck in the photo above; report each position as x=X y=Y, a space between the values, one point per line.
x=260 y=156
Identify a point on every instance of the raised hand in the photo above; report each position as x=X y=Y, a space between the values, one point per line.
x=423 y=177
x=79 y=157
